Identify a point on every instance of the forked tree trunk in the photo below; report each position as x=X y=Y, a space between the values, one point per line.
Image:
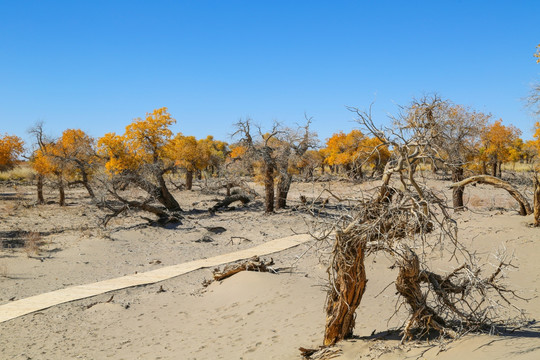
x=524 y=206
x=41 y=199
x=457 y=192
x=189 y=180
x=348 y=287
x=536 y=201
x=269 y=188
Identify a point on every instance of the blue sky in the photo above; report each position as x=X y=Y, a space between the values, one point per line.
x=96 y=65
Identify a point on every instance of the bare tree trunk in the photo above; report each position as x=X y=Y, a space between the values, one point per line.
x=86 y=184
x=283 y=186
x=62 y=200
x=189 y=180
x=269 y=188
x=385 y=192
x=499 y=169
x=524 y=206
x=408 y=286
x=536 y=201
x=41 y=200
x=494 y=169
x=484 y=168
x=349 y=287
x=165 y=197
x=457 y=192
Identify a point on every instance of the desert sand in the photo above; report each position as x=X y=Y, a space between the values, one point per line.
x=247 y=316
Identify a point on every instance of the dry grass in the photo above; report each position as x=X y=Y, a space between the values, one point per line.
x=20 y=173
x=32 y=244
x=517 y=166
x=476 y=201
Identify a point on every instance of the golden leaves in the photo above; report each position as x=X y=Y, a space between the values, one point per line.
x=11 y=147
x=144 y=141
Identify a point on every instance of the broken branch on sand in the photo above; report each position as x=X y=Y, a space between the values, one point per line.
x=229 y=200
x=253 y=264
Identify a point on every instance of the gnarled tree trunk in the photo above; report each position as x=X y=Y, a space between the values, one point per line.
x=348 y=287
x=165 y=197
x=457 y=192
x=283 y=186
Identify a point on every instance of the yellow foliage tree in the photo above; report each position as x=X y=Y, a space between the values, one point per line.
x=189 y=154
x=497 y=140
x=11 y=147
x=354 y=150
x=140 y=156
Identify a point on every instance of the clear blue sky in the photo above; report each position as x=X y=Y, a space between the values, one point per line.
x=96 y=65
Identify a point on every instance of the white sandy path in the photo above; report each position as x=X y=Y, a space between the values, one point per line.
x=43 y=301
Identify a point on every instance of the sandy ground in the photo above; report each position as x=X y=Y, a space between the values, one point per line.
x=248 y=316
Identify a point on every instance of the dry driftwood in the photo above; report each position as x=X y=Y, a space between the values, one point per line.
x=323 y=353
x=253 y=264
x=524 y=207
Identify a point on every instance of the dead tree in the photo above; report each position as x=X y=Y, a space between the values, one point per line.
x=524 y=206
x=294 y=145
x=275 y=150
x=396 y=221
x=453 y=131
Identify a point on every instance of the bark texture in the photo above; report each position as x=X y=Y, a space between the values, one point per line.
x=349 y=287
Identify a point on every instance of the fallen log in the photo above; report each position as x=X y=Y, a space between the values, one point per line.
x=229 y=200
x=524 y=206
x=253 y=264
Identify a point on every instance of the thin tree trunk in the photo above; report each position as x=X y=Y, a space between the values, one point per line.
x=189 y=180
x=536 y=204
x=269 y=188
x=41 y=200
x=62 y=200
x=494 y=169
x=457 y=192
